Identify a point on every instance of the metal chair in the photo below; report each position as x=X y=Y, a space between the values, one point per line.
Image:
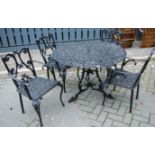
x=128 y=80
x=109 y=35
x=32 y=87
x=45 y=44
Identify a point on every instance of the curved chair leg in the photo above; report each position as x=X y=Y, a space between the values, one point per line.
x=64 y=81
x=104 y=96
x=137 y=94
x=21 y=103
x=114 y=88
x=36 y=106
x=48 y=74
x=131 y=101
x=61 y=92
x=53 y=73
x=115 y=66
x=78 y=70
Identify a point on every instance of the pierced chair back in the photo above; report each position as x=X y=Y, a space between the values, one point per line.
x=127 y=79
x=26 y=60
x=49 y=41
x=144 y=66
x=147 y=61
x=32 y=87
x=108 y=34
x=45 y=43
x=12 y=69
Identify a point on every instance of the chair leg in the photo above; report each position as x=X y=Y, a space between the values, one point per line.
x=48 y=74
x=137 y=94
x=64 y=80
x=100 y=69
x=53 y=73
x=61 y=92
x=78 y=70
x=36 y=106
x=114 y=88
x=21 y=103
x=104 y=96
x=131 y=100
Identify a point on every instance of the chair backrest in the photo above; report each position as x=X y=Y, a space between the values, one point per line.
x=12 y=67
x=44 y=43
x=144 y=66
x=107 y=34
x=147 y=61
x=26 y=60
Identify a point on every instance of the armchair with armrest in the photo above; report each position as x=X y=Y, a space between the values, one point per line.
x=126 y=79
x=32 y=87
x=47 y=43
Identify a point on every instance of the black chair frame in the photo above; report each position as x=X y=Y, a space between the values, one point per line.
x=23 y=82
x=44 y=43
x=117 y=73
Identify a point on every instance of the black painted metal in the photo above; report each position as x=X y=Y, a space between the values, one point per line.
x=127 y=60
x=48 y=43
x=23 y=54
x=128 y=80
x=89 y=55
x=107 y=34
x=45 y=43
x=137 y=94
x=21 y=102
x=131 y=100
x=32 y=87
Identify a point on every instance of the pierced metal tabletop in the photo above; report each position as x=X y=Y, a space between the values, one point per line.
x=89 y=54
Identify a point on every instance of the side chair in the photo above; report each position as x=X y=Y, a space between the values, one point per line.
x=126 y=79
x=47 y=43
x=33 y=87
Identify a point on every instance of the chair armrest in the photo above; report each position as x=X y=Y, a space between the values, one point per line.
x=113 y=73
x=39 y=62
x=22 y=83
x=127 y=60
x=47 y=55
x=119 y=73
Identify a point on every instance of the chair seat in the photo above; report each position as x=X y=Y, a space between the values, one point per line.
x=52 y=64
x=38 y=87
x=123 y=79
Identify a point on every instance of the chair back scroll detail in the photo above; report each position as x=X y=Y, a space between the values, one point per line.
x=13 y=71
x=29 y=63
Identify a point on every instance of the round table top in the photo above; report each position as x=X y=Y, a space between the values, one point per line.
x=89 y=54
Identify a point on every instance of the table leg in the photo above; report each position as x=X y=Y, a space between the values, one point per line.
x=80 y=88
x=86 y=75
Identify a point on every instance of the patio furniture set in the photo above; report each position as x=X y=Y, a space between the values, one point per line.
x=87 y=56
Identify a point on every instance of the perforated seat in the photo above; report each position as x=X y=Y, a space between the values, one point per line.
x=38 y=87
x=61 y=68
x=33 y=87
x=46 y=43
x=123 y=79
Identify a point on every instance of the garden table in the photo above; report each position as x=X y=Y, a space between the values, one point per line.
x=89 y=55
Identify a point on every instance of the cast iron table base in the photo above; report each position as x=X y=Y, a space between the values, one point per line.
x=86 y=75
